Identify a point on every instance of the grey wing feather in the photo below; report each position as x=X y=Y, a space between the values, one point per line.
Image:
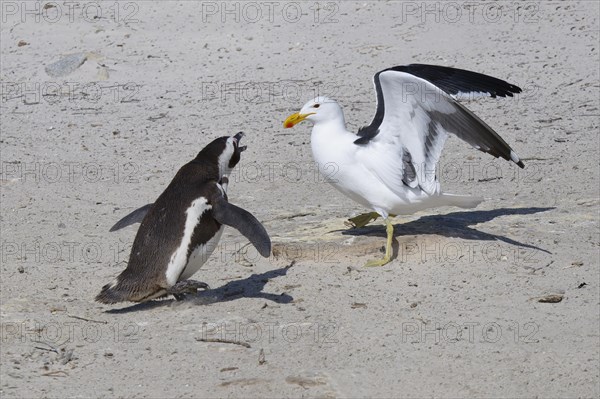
x=470 y=128
x=244 y=222
x=134 y=217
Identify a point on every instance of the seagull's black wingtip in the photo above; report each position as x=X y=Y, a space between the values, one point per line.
x=515 y=89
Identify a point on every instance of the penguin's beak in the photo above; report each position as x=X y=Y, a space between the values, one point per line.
x=296 y=118
x=237 y=139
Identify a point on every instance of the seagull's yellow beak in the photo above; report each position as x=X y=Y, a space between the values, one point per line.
x=294 y=119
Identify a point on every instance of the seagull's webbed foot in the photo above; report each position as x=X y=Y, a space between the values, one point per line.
x=361 y=220
x=186 y=287
x=389 y=228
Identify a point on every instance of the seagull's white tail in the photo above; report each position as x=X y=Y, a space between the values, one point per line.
x=463 y=201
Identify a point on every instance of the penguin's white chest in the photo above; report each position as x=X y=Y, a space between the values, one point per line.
x=200 y=255
x=179 y=260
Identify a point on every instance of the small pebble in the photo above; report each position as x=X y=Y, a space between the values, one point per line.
x=577 y=263
x=552 y=298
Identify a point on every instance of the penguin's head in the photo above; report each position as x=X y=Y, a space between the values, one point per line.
x=223 y=152
x=230 y=156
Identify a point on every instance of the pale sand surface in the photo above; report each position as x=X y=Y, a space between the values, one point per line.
x=457 y=312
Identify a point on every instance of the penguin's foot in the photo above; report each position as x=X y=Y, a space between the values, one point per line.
x=186 y=287
x=361 y=220
x=389 y=228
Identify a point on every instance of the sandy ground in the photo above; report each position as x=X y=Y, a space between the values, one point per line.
x=458 y=311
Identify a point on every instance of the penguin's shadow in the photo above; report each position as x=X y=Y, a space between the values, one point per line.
x=454 y=225
x=250 y=287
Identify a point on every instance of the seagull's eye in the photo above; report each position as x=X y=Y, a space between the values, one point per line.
x=316 y=105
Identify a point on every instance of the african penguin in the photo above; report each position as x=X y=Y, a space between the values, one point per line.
x=181 y=229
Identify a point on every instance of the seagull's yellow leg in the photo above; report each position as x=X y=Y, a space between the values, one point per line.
x=389 y=228
x=362 y=220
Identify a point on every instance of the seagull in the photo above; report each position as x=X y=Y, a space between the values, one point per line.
x=390 y=166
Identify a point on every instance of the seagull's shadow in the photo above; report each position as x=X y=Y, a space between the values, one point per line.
x=455 y=225
x=250 y=287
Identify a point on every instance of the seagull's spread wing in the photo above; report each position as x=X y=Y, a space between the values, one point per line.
x=416 y=110
x=460 y=83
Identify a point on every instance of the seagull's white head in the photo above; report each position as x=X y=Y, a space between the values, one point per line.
x=321 y=109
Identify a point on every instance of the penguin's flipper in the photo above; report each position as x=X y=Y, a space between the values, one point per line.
x=245 y=223
x=134 y=217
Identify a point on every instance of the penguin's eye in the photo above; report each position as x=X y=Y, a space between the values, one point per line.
x=316 y=105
